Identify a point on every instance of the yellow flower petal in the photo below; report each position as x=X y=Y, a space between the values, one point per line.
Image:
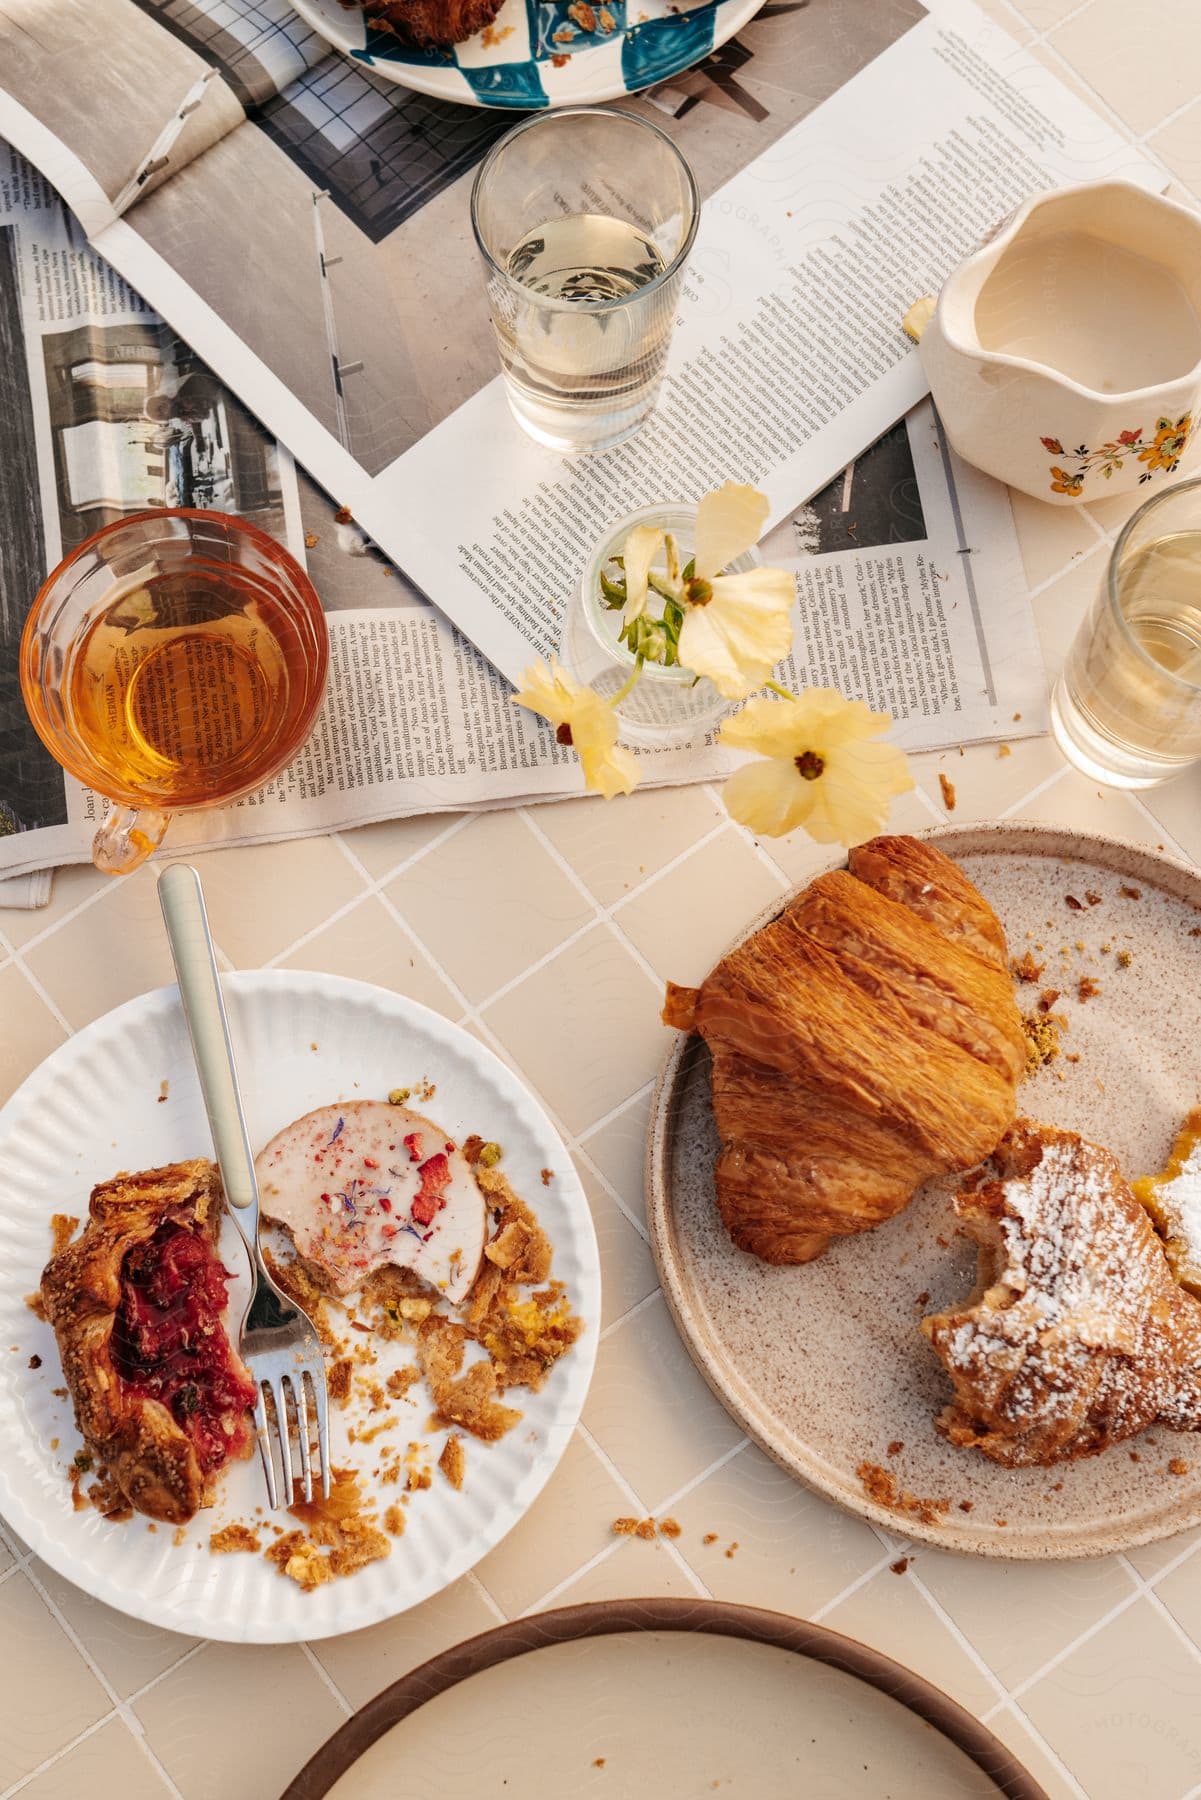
x=769 y=798
x=728 y=521
x=548 y=691
x=739 y=636
x=818 y=719
x=641 y=547
x=591 y=721
x=847 y=800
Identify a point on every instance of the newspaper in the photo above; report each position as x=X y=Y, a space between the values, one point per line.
x=107 y=410
x=301 y=222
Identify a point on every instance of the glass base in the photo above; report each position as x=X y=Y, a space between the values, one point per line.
x=1099 y=756
x=573 y=427
x=661 y=711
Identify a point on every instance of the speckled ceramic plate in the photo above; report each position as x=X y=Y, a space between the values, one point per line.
x=632 y=1697
x=303 y=1040
x=824 y=1365
x=539 y=53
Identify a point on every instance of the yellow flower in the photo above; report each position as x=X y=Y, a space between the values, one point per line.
x=1168 y=444
x=583 y=720
x=729 y=521
x=822 y=768
x=1063 y=483
x=737 y=628
x=638 y=553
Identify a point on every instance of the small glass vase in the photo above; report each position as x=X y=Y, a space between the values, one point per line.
x=666 y=706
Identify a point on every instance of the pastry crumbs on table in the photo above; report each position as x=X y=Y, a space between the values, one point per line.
x=1130 y=893
x=948 y=791
x=895 y=1448
x=1124 y=959
x=1178 y=1466
x=35 y=1361
x=669 y=1528
x=731 y=1549
x=1026 y=968
x=1086 y=988
x=899 y=1567
x=710 y=1537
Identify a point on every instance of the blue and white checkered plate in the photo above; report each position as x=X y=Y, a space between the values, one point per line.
x=540 y=53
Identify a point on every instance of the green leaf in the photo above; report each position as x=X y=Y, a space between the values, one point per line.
x=612 y=592
x=689 y=569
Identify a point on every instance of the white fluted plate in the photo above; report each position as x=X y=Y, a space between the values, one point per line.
x=93 y=1108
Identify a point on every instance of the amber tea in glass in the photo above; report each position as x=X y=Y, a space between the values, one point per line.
x=175 y=660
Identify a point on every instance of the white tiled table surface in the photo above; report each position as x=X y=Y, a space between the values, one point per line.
x=1091 y=1671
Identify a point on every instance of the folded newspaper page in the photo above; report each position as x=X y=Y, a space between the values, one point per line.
x=302 y=224
x=909 y=581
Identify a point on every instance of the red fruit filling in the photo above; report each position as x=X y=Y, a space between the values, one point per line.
x=169 y=1344
x=435 y=1179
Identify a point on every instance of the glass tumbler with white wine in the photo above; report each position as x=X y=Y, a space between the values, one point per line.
x=1127 y=708
x=584 y=219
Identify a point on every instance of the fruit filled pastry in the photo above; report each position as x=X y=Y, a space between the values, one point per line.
x=137 y=1302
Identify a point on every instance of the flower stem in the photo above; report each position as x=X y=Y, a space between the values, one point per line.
x=627 y=687
x=784 y=693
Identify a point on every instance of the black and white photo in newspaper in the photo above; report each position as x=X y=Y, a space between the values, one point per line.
x=113 y=413
x=303 y=224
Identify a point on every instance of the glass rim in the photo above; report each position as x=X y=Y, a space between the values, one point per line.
x=1113 y=589
x=549 y=302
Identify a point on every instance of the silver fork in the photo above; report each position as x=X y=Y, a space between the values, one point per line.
x=279 y=1342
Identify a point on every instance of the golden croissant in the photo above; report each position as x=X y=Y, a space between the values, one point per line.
x=863 y=1041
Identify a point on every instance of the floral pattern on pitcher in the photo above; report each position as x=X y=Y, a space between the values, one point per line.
x=1162 y=450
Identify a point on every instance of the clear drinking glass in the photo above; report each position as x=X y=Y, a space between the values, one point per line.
x=667 y=706
x=1127 y=708
x=175 y=660
x=584 y=218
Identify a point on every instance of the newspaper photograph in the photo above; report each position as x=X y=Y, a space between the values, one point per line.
x=107 y=412
x=302 y=223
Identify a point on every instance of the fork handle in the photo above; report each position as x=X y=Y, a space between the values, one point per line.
x=182 y=900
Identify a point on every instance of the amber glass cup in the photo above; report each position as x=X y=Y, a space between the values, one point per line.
x=175 y=660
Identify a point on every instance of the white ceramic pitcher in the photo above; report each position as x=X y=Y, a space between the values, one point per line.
x=1064 y=355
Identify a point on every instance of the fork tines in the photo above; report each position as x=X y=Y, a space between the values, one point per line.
x=302 y=1390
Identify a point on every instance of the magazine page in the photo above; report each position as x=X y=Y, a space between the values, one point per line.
x=107 y=411
x=319 y=257
x=127 y=102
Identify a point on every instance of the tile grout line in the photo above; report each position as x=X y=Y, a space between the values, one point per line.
x=1029 y=1681
x=958 y=1634
x=48 y=1762
x=18 y=961
x=458 y=822
x=476 y=1581
x=632 y=1312
x=323 y=1675
x=1048 y=1749
x=1160 y=1605
x=689 y=1487
x=861 y=1580
x=1035 y=792
x=616 y=1198
x=109 y=886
